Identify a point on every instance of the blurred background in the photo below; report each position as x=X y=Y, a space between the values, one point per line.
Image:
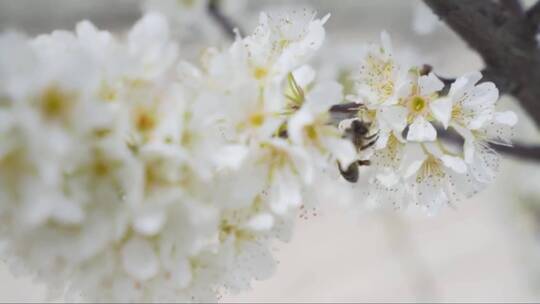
x=484 y=250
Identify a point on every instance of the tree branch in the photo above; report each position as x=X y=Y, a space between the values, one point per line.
x=533 y=14
x=513 y=6
x=504 y=40
x=518 y=150
x=226 y=24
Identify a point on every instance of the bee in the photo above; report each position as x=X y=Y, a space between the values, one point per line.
x=358 y=134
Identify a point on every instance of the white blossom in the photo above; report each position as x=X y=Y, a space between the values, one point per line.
x=431 y=173
x=129 y=173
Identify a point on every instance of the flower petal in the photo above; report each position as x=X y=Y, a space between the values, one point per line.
x=468 y=146
x=413 y=160
x=230 y=156
x=429 y=84
x=342 y=150
x=304 y=75
x=421 y=130
x=395 y=117
x=455 y=163
x=139 y=259
x=463 y=83
x=261 y=222
x=323 y=96
x=508 y=118
x=149 y=222
x=297 y=123
x=442 y=110
x=431 y=194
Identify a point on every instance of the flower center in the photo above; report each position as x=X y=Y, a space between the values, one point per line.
x=311 y=132
x=259 y=73
x=55 y=103
x=257 y=119
x=146 y=121
x=418 y=104
x=431 y=169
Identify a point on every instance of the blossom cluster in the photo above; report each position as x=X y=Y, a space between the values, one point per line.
x=411 y=110
x=130 y=174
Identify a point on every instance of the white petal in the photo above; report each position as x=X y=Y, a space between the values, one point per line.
x=324 y=95
x=149 y=222
x=67 y=212
x=230 y=157
x=388 y=178
x=485 y=94
x=261 y=222
x=431 y=195
x=395 y=117
x=152 y=28
x=424 y=21
x=181 y=273
x=442 y=110
x=382 y=140
x=304 y=75
x=342 y=150
x=455 y=163
x=413 y=160
x=468 y=151
x=508 y=118
x=139 y=259
x=468 y=146
x=404 y=90
x=463 y=84
x=285 y=193
x=297 y=123
x=485 y=164
x=421 y=130
x=325 y=18
x=429 y=84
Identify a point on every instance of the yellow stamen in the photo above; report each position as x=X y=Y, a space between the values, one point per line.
x=55 y=103
x=257 y=119
x=259 y=73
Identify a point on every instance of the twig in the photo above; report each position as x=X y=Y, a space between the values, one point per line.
x=518 y=150
x=504 y=40
x=226 y=24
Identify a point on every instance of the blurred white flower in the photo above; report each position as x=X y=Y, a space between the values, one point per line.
x=130 y=174
x=424 y=20
x=111 y=145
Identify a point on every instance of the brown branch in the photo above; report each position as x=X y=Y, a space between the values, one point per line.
x=518 y=150
x=504 y=40
x=533 y=14
x=513 y=6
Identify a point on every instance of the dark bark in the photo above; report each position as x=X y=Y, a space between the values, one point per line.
x=533 y=14
x=506 y=42
x=500 y=32
x=518 y=150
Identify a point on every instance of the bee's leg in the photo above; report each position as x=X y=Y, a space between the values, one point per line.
x=371 y=136
x=363 y=162
x=351 y=174
x=368 y=145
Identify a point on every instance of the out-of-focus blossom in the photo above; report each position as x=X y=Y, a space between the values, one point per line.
x=128 y=173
